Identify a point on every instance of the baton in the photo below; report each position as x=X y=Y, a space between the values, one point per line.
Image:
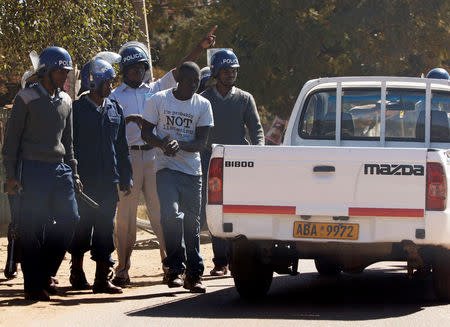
x=15 y=209
x=88 y=200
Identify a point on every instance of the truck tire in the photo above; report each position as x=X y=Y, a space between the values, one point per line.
x=441 y=277
x=327 y=267
x=252 y=278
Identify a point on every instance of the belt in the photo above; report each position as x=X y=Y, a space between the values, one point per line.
x=144 y=147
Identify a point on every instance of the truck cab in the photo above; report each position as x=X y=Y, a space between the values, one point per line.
x=361 y=177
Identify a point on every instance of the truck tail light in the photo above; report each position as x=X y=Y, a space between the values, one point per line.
x=436 y=187
x=215 y=181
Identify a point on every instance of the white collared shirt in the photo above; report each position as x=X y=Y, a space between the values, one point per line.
x=133 y=101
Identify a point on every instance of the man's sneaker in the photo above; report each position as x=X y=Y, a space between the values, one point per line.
x=175 y=280
x=121 y=281
x=194 y=284
x=219 y=270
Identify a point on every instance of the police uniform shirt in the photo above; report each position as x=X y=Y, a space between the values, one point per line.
x=232 y=114
x=39 y=128
x=100 y=143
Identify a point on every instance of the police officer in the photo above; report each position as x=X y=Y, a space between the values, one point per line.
x=131 y=95
x=103 y=159
x=234 y=110
x=39 y=135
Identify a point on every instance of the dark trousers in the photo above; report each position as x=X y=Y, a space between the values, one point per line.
x=180 y=199
x=95 y=229
x=221 y=247
x=48 y=216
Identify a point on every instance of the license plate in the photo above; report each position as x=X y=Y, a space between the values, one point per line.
x=335 y=231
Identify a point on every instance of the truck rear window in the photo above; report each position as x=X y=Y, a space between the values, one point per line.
x=361 y=115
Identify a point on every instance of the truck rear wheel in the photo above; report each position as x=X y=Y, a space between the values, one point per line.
x=252 y=278
x=441 y=276
x=327 y=267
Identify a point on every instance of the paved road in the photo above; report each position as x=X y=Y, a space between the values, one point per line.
x=381 y=296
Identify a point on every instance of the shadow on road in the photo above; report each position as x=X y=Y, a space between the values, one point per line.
x=369 y=296
x=67 y=297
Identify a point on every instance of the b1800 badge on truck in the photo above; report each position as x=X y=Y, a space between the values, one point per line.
x=240 y=164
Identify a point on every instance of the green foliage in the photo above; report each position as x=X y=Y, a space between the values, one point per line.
x=83 y=27
x=282 y=43
x=163 y=18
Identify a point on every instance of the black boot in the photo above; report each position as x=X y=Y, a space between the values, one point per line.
x=102 y=283
x=77 y=276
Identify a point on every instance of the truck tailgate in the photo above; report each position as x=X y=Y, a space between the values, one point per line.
x=301 y=180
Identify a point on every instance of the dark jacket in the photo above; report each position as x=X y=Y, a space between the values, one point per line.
x=100 y=143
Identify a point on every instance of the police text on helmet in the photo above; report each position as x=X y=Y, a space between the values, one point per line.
x=133 y=56
x=229 y=61
x=64 y=63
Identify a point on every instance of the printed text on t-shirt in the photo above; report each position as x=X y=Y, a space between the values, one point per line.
x=180 y=122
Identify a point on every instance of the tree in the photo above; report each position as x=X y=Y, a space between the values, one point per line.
x=281 y=43
x=163 y=16
x=83 y=27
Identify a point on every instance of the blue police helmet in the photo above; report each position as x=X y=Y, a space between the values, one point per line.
x=132 y=55
x=439 y=73
x=54 y=58
x=223 y=59
x=205 y=74
x=84 y=76
x=94 y=73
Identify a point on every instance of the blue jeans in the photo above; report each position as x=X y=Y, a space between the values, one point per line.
x=221 y=247
x=48 y=216
x=180 y=200
x=95 y=230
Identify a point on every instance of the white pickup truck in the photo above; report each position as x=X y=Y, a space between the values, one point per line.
x=362 y=177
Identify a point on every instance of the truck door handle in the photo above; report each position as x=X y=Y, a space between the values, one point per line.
x=324 y=169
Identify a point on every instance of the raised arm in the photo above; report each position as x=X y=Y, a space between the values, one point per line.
x=207 y=41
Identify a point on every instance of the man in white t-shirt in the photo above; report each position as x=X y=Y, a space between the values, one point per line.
x=131 y=95
x=183 y=120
